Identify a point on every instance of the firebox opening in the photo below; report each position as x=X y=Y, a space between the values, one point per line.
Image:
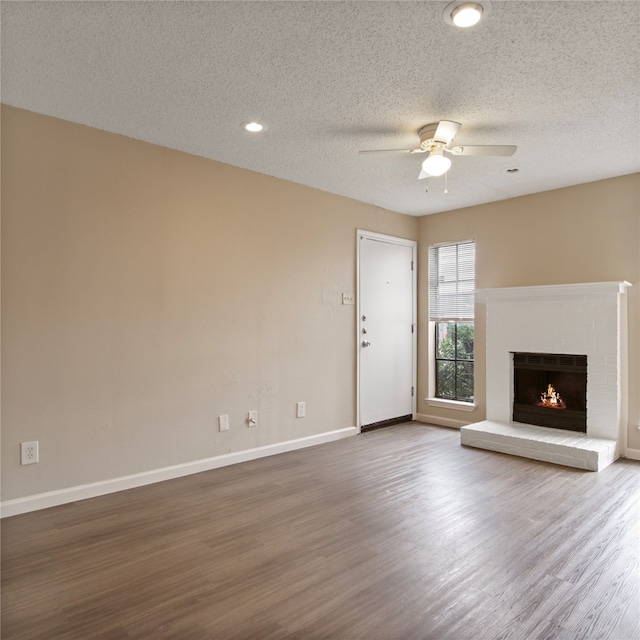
x=550 y=390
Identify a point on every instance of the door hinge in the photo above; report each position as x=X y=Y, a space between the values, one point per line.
x=412 y=328
x=412 y=265
x=412 y=391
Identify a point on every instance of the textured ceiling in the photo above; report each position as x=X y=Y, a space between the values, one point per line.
x=559 y=79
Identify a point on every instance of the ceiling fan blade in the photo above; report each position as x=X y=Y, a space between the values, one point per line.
x=386 y=150
x=484 y=150
x=423 y=173
x=446 y=131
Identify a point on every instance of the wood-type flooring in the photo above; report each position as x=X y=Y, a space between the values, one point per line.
x=396 y=534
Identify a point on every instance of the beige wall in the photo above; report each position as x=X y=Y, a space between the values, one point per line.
x=586 y=233
x=146 y=291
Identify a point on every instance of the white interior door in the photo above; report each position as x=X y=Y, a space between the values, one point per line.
x=386 y=327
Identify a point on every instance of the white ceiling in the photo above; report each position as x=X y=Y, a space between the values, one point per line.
x=559 y=79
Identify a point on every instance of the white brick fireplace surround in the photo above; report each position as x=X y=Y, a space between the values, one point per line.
x=579 y=319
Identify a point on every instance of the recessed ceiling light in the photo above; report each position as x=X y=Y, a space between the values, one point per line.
x=465 y=14
x=254 y=127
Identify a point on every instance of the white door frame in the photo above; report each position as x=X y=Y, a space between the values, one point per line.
x=414 y=312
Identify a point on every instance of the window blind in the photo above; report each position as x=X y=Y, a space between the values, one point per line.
x=452 y=281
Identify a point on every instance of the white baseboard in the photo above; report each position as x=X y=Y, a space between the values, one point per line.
x=441 y=422
x=632 y=454
x=82 y=492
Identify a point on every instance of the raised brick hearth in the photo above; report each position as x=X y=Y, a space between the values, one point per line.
x=541 y=443
x=581 y=319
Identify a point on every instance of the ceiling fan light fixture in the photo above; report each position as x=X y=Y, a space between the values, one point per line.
x=465 y=14
x=436 y=164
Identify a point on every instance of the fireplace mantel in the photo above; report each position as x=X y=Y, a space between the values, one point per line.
x=551 y=290
x=582 y=318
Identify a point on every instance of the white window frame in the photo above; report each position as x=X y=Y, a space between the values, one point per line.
x=432 y=400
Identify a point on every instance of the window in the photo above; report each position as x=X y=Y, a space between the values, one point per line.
x=454 y=361
x=451 y=302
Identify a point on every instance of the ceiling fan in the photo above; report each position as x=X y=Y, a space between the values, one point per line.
x=436 y=138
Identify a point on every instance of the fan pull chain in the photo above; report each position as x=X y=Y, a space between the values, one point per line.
x=446 y=190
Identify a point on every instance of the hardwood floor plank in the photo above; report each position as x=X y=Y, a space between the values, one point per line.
x=397 y=534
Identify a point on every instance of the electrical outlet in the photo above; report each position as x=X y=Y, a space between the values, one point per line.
x=29 y=452
x=252 y=419
x=300 y=410
x=223 y=422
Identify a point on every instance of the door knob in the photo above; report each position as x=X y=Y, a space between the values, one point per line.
x=366 y=343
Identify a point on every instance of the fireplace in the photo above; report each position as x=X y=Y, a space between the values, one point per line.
x=534 y=337
x=550 y=390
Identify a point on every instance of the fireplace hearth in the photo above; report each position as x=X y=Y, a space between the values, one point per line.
x=550 y=390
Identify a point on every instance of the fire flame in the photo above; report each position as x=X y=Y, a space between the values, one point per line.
x=551 y=398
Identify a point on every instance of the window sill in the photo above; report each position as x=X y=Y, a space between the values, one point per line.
x=451 y=404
